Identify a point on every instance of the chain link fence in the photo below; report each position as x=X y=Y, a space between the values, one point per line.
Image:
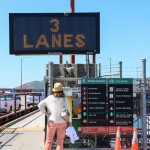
x=70 y=76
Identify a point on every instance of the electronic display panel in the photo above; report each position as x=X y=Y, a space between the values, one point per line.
x=54 y=33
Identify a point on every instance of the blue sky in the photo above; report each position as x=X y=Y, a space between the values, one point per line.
x=124 y=36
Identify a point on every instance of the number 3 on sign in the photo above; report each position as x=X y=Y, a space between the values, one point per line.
x=55 y=23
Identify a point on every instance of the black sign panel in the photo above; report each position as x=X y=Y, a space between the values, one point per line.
x=107 y=102
x=120 y=102
x=54 y=33
x=93 y=97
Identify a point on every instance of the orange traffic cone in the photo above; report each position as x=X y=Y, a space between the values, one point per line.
x=118 y=140
x=134 y=140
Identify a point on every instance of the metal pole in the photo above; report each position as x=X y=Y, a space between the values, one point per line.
x=94 y=58
x=50 y=75
x=144 y=125
x=72 y=56
x=87 y=65
x=137 y=72
x=48 y=87
x=21 y=75
x=72 y=6
x=110 y=66
x=96 y=70
x=99 y=70
x=46 y=94
x=60 y=58
x=120 y=69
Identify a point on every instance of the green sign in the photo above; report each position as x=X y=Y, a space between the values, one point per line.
x=93 y=81
x=107 y=81
x=120 y=81
x=107 y=101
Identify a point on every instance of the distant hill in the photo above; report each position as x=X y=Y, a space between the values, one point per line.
x=32 y=85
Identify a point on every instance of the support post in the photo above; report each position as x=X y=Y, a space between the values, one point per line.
x=50 y=76
x=94 y=58
x=99 y=70
x=144 y=125
x=72 y=56
x=46 y=94
x=120 y=69
x=21 y=76
x=87 y=65
x=60 y=58
x=48 y=87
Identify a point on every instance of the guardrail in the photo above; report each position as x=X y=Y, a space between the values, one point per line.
x=5 y=118
x=12 y=116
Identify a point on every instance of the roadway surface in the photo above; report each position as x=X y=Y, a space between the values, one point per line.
x=27 y=134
